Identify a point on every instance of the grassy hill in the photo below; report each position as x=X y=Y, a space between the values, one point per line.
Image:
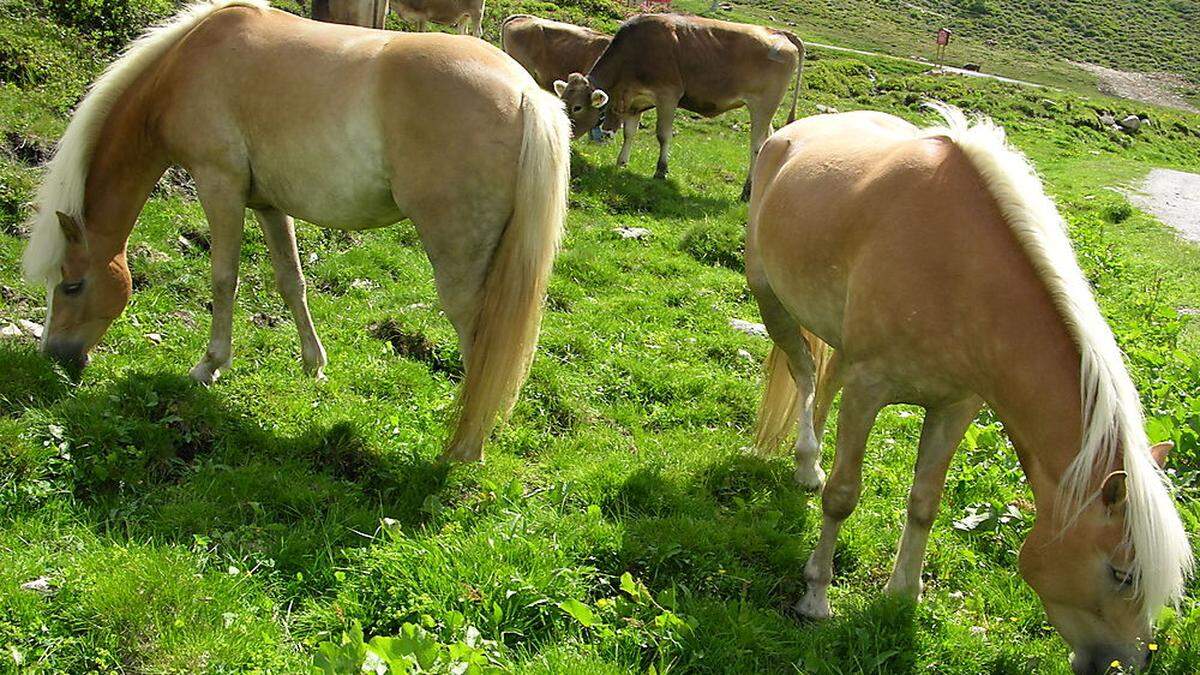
x=617 y=526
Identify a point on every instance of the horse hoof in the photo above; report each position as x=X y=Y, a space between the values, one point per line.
x=811 y=607
x=812 y=479
x=204 y=374
x=660 y=175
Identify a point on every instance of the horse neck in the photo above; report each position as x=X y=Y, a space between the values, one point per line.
x=1032 y=380
x=126 y=164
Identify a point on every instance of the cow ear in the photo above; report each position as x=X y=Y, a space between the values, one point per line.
x=71 y=229
x=599 y=98
x=1113 y=492
x=560 y=87
x=1159 y=452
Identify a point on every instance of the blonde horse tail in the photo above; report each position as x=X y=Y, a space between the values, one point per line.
x=780 y=406
x=510 y=310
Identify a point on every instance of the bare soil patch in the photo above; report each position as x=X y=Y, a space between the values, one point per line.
x=1158 y=88
x=1173 y=197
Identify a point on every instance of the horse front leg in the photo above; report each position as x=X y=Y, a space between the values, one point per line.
x=860 y=405
x=943 y=428
x=280 y=233
x=224 y=205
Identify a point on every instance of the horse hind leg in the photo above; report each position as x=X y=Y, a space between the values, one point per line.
x=789 y=337
x=940 y=433
x=224 y=203
x=280 y=234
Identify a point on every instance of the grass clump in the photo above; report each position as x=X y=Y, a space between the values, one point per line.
x=716 y=243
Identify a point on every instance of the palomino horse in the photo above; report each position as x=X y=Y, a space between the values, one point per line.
x=371 y=13
x=446 y=131
x=934 y=264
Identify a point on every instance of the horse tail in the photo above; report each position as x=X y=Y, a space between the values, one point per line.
x=781 y=402
x=791 y=37
x=510 y=309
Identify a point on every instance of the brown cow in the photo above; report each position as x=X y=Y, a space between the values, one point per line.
x=670 y=61
x=371 y=13
x=551 y=50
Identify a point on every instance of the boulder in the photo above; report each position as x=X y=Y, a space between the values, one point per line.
x=1130 y=123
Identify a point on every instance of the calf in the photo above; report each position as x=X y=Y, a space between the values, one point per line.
x=670 y=61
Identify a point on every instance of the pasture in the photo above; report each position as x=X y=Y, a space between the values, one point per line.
x=273 y=522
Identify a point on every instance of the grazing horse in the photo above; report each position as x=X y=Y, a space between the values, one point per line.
x=446 y=131
x=937 y=269
x=371 y=13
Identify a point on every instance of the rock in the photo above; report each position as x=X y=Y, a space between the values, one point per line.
x=746 y=355
x=154 y=338
x=10 y=330
x=826 y=109
x=364 y=284
x=1107 y=120
x=1131 y=123
x=33 y=329
x=39 y=585
x=748 y=327
x=632 y=232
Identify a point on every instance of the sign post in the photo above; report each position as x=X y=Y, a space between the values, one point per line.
x=943 y=39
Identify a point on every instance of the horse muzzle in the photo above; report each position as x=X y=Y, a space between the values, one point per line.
x=1100 y=659
x=68 y=352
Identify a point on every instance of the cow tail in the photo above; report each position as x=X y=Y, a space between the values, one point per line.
x=791 y=37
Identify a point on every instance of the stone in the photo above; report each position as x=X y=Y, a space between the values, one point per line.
x=632 y=232
x=748 y=327
x=33 y=329
x=826 y=109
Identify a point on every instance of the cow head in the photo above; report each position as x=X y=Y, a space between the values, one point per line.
x=584 y=102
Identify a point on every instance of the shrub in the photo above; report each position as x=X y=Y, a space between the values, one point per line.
x=109 y=23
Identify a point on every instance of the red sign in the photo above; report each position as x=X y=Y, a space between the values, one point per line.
x=943 y=36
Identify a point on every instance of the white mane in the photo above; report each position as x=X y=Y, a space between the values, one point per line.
x=1112 y=411
x=62 y=186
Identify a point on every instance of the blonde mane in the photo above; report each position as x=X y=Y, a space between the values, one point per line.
x=63 y=185
x=1113 y=422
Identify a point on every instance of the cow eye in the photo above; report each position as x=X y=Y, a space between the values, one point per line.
x=72 y=288
x=576 y=108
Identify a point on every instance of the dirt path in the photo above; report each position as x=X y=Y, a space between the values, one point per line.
x=1157 y=88
x=1173 y=197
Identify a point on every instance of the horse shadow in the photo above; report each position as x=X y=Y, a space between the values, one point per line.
x=622 y=191
x=157 y=457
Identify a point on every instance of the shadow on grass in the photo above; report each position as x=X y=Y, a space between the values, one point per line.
x=879 y=637
x=157 y=457
x=28 y=379
x=622 y=191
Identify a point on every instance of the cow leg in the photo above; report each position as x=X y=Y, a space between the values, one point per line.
x=629 y=127
x=477 y=21
x=760 y=130
x=943 y=428
x=666 y=128
x=420 y=25
x=280 y=233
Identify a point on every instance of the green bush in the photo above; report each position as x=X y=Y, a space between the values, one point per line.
x=716 y=243
x=845 y=78
x=109 y=23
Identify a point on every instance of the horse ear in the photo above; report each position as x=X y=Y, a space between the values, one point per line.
x=560 y=87
x=1113 y=492
x=599 y=98
x=1159 y=452
x=71 y=228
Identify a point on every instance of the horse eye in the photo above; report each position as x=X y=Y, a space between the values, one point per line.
x=72 y=288
x=1122 y=577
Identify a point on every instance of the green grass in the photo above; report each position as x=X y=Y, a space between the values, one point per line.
x=251 y=525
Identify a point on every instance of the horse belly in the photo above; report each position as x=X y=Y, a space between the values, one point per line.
x=340 y=185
